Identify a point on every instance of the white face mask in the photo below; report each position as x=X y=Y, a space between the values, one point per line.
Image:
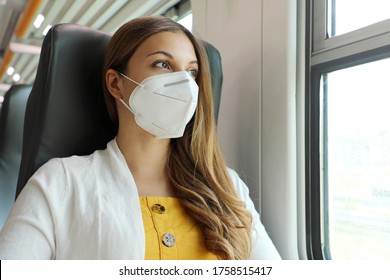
x=164 y=104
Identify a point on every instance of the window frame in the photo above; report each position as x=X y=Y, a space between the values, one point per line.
x=325 y=55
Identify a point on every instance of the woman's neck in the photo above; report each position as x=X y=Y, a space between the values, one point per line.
x=146 y=157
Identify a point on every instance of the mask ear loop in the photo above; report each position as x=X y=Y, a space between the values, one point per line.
x=127 y=106
x=130 y=79
x=121 y=100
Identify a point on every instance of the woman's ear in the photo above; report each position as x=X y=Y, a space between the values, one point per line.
x=114 y=84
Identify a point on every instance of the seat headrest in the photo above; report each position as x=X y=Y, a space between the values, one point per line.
x=66 y=114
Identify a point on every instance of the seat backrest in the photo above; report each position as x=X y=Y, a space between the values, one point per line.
x=66 y=114
x=11 y=139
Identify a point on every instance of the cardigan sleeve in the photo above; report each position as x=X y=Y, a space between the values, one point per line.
x=29 y=230
x=262 y=245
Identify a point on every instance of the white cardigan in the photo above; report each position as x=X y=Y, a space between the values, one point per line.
x=88 y=208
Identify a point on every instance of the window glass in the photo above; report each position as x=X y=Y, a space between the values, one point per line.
x=348 y=15
x=186 y=21
x=355 y=160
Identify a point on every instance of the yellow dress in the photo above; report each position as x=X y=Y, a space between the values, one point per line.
x=170 y=233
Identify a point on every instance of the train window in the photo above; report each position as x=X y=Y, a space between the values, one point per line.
x=186 y=21
x=347 y=131
x=182 y=13
x=355 y=160
x=359 y=13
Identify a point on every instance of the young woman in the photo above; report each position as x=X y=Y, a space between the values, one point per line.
x=161 y=189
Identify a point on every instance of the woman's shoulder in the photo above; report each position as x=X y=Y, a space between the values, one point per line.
x=71 y=164
x=78 y=163
x=239 y=184
x=68 y=171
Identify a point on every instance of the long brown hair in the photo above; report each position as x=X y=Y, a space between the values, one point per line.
x=195 y=164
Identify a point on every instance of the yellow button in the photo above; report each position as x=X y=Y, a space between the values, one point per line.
x=158 y=208
x=168 y=239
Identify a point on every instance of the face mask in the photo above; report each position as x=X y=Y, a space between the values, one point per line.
x=164 y=104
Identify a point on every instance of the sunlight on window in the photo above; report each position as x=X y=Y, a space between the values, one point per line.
x=357 y=169
x=349 y=15
x=186 y=22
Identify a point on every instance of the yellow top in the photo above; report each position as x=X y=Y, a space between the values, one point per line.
x=170 y=233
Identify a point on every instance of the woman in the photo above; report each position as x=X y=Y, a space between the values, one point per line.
x=161 y=189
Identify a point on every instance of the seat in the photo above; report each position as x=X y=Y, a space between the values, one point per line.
x=66 y=114
x=11 y=139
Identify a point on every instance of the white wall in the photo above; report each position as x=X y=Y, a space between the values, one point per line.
x=220 y=22
x=257 y=42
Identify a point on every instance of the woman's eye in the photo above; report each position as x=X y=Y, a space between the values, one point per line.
x=162 y=64
x=193 y=72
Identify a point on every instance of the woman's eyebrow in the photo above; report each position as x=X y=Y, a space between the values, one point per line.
x=170 y=56
x=163 y=53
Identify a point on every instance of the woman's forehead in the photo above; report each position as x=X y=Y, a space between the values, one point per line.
x=175 y=43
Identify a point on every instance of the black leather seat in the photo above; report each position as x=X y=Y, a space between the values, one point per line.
x=11 y=139
x=66 y=114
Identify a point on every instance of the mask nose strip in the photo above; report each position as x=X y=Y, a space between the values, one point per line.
x=176 y=83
